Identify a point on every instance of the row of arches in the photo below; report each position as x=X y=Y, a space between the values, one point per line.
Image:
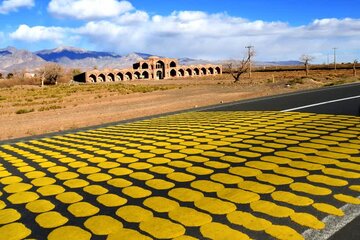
x=159 y=74
x=110 y=77
x=195 y=72
x=158 y=65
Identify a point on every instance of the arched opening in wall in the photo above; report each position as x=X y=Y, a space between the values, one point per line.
x=217 y=70
x=160 y=65
x=159 y=75
x=136 y=75
x=145 y=75
x=92 y=78
x=203 y=71
x=173 y=64
x=173 y=73
x=110 y=77
x=101 y=78
x=145 y=66
x=128 y=76
x=119 y=77
x=188 y=72
x=211 y=71
x=181 y=73
x=136 y=65
x=196 y=72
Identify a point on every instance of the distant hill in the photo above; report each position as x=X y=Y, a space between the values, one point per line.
x=264 y=63
x=101 y=63
x=83 y=59
x=279 y=63
x=144 y=55
x=12 y=59
x=191 y=61
x=61 y=53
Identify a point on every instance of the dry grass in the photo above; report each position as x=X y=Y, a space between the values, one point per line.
x=35 y=110
x=22 y=99
x=321 y=76
x=18 y=81
x=26 y=97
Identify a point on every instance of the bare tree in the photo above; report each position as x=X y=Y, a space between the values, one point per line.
x=236 y=70
x=306 y=59
x=9 y=75
x=50 y=74
x=354 y=67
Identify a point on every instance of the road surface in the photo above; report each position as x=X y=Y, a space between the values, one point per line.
x=344 y=99
x=262 y=169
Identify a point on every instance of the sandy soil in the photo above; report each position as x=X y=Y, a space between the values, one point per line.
x=86 y=110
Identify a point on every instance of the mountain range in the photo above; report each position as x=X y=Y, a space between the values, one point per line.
x=13 y=59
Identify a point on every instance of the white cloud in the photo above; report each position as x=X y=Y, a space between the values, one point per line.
x=202 y=35
x=340 y=27
x=13 y=5
x=211 y=36
x=132 y=18
x=89 y=9
x=39 y=33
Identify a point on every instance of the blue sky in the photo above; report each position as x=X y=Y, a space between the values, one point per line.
x=211 y=29
x=294 y=12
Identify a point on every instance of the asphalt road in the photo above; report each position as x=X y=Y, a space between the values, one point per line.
x=216 y=173
x=343 y=99
x=350 y=231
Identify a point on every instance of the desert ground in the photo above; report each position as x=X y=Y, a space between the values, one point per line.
x=28 y=110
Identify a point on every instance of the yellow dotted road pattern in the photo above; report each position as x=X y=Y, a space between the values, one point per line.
x=198 y=175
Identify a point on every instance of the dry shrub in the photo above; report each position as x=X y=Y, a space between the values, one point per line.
x=19 y=79
x=24 y=111
x=51 y=73
x=66 y=76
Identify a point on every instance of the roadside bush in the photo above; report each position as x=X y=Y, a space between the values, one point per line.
x=23 y=111
x=9 y=75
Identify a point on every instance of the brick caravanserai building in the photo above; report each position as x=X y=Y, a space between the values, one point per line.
x=152 y=68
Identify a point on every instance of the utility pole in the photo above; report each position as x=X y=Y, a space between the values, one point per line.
x=249 y=57
x=335 y=58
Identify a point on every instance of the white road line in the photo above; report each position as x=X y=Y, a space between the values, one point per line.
x=334 y=224
x=321 y=103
